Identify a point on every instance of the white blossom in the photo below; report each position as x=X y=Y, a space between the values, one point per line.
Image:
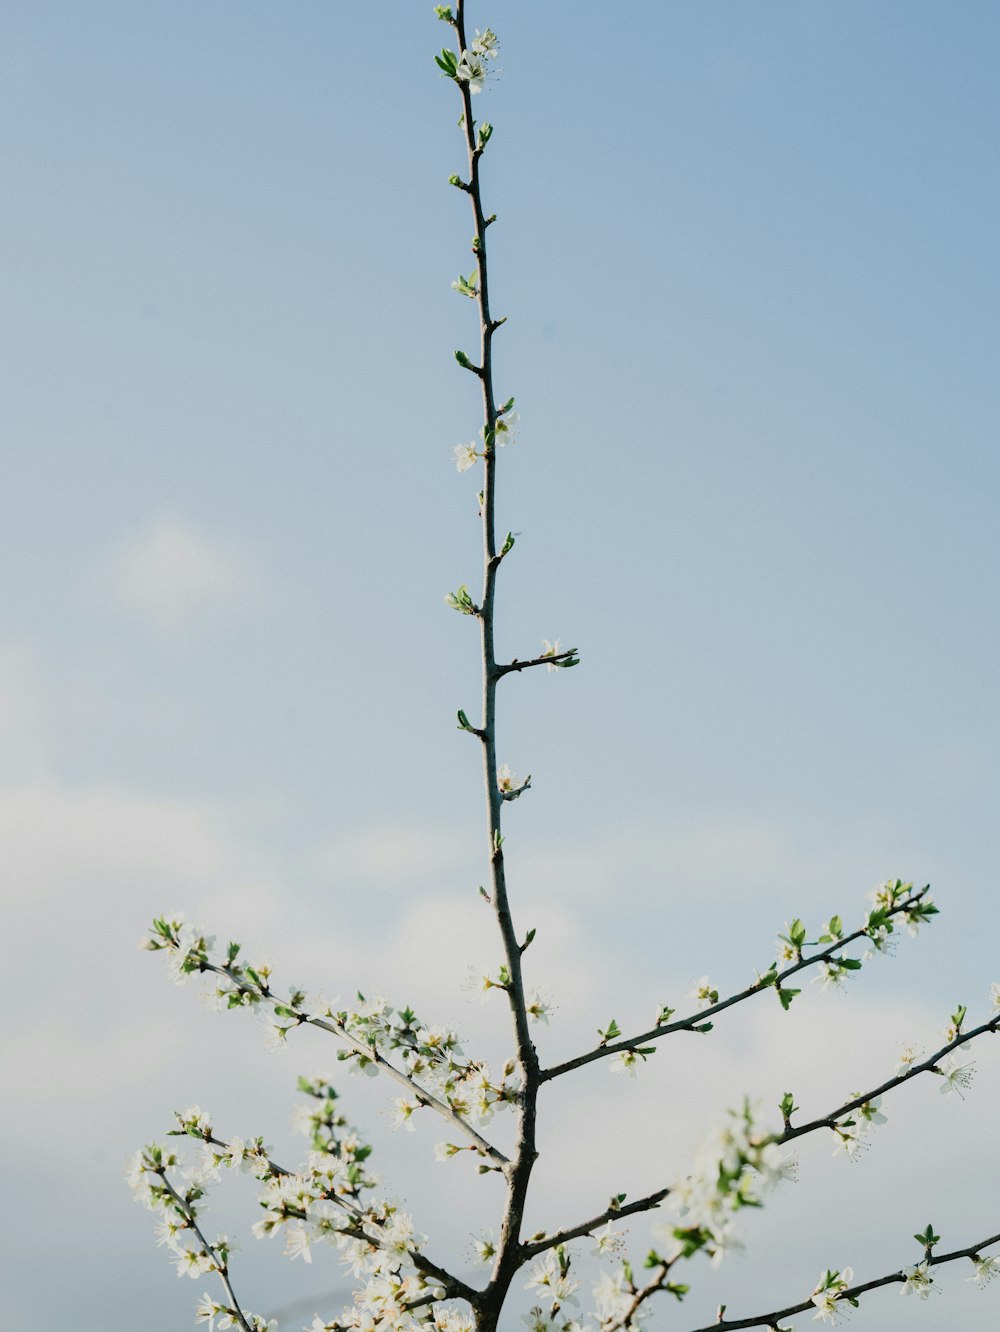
x=955 y=1076
x=626 y=1061
x=917 y=1280
x=551 y=650
x=403 y=1116
x=608 y=1240
x=849 y=1141
x=472 y=70
x=484 y=1247
x=826 y=1296
x=465 y=456
x=505 y=430
x=908 y=1056
x=984 y=1270
x=869 y=1115
x=486 y=44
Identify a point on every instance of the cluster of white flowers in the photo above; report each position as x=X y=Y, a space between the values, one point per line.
x=176 y=1204
x=887 y=898
x=431 y=1056
x=734 y=1167
x=321 y=1203
x=613 y=1297
x=550 y=1278
x=851 y=1132
x=553 y=1285
x=473 y=65
x=222 y=1316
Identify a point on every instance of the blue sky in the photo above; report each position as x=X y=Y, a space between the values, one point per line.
x=748 y=256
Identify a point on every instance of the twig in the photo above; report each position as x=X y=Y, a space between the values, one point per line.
x=706 y=1014
x=851 y=1293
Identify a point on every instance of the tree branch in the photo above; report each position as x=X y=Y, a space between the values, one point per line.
x=789 y=1134
x=455 y=1287
x=926 y=1066
x=706 y=1014
x=550 y=659
x=852 y=1292
x=611 y=1213
x=370 y=1052
x=519 y=1171
x=221 y=1268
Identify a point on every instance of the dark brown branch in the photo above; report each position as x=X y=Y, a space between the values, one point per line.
x=706 y=1014
x=552 y=659
x=610 y=1213
x=370 y=1052
x=519 y=1170
x=222 y=1269
x=852 y=1292
x=789 y=1134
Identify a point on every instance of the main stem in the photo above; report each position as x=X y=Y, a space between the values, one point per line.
x=510 y=1255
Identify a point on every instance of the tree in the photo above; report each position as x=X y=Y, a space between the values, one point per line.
x=333 y=1199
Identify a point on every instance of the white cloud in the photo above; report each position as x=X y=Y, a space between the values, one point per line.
x=393 y=854
x=172 y=576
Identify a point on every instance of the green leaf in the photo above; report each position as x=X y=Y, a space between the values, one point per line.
x=786 y=997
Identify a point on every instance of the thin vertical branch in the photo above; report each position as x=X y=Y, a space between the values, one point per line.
x=519 y=1171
